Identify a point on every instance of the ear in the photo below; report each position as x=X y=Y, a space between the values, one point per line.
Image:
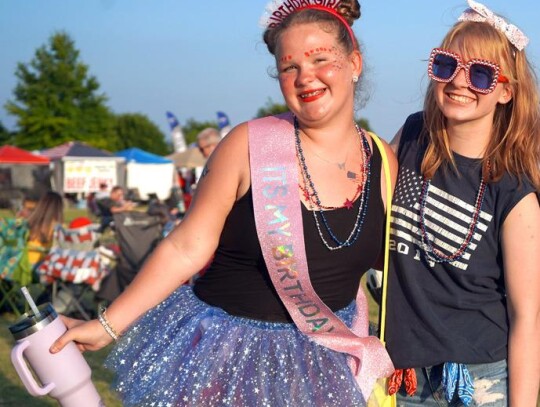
x=506 y=95
x=356 y=62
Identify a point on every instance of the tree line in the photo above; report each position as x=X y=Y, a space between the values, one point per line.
x=57 y=100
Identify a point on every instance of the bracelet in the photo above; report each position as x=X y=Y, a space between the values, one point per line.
x=106 y=324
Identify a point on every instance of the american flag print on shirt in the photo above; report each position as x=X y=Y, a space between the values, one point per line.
x=447 y=220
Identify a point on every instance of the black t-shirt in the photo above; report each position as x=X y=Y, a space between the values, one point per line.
x=238 y=280
x=447 y=312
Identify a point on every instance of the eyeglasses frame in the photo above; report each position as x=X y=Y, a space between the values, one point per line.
x=498 y=77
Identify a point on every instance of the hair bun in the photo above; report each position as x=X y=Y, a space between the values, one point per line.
x=349 y=10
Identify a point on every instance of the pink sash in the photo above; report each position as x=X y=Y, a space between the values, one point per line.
x=278 y=217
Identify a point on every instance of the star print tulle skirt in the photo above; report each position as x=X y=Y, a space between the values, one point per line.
x=186 y=353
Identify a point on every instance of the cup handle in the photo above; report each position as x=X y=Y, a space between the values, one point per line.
x=24 y=372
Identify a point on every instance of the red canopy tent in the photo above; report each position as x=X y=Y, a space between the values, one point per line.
x=22 y=174
x=15 y=155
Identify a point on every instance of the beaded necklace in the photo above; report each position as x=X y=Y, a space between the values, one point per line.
x=348 y=203
x=364 y=195
x=431 y=252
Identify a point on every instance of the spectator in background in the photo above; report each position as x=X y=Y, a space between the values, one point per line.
x=166 y=212
x=207 y=140
x=48 y=213
x=92 y=205
x=103 y=191
x=115 y=203
x=27 y=207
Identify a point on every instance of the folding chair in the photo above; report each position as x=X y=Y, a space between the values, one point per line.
x=74 y=267
x=15 y=269
x=137 y=234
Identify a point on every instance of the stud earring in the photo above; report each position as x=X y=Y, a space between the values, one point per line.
x=355 y=78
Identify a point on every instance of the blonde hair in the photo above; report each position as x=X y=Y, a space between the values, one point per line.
x=514 y=145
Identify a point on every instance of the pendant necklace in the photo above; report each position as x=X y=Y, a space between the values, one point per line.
x=340 y=165
x=353 y=176
x=315 y=200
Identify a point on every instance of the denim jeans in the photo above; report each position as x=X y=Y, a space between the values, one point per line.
x=490 y=387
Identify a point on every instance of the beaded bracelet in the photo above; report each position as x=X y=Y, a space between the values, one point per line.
x=106 y=324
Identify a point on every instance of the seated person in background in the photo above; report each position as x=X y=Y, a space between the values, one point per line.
x=168 y=215
x=176 y=203
x=48 y=213
x=27 y=207
x=207 y=140
x=103 y=191
x=92 y=206
x=115 y=203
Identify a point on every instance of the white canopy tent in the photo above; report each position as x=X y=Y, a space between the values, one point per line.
x=148 y=173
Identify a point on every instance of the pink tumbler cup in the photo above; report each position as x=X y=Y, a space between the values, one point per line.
x=64 y=375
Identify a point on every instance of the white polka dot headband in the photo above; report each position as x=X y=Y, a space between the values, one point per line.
x=480 y=13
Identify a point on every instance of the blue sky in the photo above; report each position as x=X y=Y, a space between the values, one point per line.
x=199 y=57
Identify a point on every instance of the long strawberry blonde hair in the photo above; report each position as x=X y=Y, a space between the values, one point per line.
x=514 y=145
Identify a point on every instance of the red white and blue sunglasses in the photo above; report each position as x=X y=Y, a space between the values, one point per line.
x=482 y=76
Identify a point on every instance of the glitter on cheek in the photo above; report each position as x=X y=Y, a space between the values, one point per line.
x=339 y=63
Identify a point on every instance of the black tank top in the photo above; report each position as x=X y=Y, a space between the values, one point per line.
x=238 y=280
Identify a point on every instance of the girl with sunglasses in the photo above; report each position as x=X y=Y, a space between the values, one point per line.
x=464 y=288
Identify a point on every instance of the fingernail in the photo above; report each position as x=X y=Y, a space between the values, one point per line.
x=54 y=349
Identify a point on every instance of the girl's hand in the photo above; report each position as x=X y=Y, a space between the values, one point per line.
x=87 y=335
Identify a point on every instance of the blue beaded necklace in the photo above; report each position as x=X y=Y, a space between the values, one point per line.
x=364 y=196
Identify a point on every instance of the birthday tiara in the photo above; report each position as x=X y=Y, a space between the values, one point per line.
x=480 y=13
x=277 y=10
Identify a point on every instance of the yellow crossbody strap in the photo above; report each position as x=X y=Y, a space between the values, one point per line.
x=388 y=179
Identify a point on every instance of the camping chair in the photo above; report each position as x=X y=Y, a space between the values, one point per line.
x=74 y=267
x=137 y=235
x=15 y=269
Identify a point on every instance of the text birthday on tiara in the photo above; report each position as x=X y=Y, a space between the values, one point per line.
x=277 y=11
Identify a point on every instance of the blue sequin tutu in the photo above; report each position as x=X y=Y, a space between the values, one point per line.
x=186 y=353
